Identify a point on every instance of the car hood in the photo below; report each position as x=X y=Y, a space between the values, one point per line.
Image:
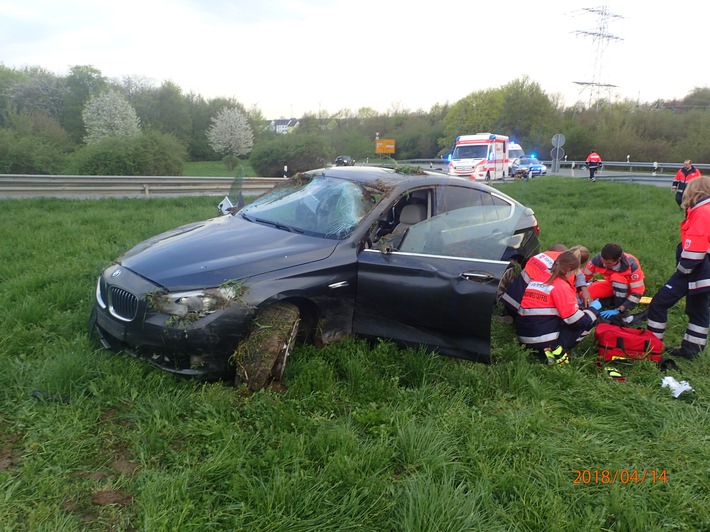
x=210 y=253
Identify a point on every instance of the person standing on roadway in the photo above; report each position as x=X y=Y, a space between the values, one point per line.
x=594 y=161
x=687 y=173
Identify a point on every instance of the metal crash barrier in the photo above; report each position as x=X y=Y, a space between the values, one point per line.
x=27 y=186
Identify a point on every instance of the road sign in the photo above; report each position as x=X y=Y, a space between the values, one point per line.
x=557 y=153
x=558 y=140
x=384 y=146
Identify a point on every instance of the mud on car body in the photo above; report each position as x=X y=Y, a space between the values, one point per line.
x=415 y=257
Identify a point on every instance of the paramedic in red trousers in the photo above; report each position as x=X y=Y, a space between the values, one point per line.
x=692 y=276
x=549 y=320
x=623 y=284
x=593 y=164
x=537 y=268
x=682 y=177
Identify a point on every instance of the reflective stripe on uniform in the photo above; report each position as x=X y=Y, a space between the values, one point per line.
x=512 y=302
x=538 y=311
x=539 y=339
x=695 y=340
x=695 y=285
x=693 y=255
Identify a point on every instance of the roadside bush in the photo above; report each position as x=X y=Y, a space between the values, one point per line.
x=29 y=154
x=298 y=152
x=149 y=153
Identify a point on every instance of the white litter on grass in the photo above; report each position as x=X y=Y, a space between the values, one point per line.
x=676 y=387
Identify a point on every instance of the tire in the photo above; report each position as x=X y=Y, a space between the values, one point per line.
x=507 y=278
x=263 y=354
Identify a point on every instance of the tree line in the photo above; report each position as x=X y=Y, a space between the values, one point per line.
x=86 y=123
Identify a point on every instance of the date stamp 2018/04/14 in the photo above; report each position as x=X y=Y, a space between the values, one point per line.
x=619 y=476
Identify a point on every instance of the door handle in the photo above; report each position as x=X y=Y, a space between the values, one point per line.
x=481 y=277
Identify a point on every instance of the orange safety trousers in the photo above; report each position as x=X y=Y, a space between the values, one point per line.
x=605 y=288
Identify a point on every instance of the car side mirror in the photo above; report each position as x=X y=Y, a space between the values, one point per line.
x=225 y=206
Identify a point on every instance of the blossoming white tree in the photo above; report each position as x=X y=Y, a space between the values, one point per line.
x=109 y=114
x=230 y=134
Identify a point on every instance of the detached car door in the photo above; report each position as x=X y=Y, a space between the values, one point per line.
x=438 y=289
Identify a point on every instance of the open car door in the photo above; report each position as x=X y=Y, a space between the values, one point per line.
x=443 y=303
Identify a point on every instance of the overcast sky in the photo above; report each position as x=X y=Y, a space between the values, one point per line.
x=293 y=57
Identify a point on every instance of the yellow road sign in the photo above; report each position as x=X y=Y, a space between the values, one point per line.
x=384 y=146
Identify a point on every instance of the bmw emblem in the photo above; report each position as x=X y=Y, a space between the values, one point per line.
x=117 y=272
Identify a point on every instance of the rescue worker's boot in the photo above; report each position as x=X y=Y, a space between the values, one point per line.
x=680 y=352
x=634 y=319
x=557 y=356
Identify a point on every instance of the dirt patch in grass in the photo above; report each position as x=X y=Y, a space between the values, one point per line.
x=124 y=466
x=9 y=456
x=107 y=497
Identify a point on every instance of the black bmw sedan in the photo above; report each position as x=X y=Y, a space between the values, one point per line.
x=411 y=256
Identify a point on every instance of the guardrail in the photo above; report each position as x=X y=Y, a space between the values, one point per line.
x=635 y=166
x=26 y=185
x=629 y=166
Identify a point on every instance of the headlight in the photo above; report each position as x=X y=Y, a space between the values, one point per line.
x=197 y=303
x=99 y=297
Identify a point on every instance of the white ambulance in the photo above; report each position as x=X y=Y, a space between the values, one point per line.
x=480 y=156
x=515 y=151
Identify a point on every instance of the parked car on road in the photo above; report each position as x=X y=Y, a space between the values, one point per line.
x=416 y=257
x=530 y=165
x=344 y=160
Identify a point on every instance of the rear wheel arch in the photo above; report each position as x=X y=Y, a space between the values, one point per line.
x=514 y=269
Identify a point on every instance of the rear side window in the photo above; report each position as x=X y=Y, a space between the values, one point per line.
x=466 y=223
x=482 y=205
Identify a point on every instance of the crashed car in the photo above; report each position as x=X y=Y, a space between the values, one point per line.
x=415 y=257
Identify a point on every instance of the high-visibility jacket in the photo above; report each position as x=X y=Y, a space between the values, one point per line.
x=537 y=268
x=594 y=160
x=683 y=176
x=626 y=277
x=545 y=309
x=694 y=260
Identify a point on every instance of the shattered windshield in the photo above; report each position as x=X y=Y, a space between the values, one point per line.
x=324 y=206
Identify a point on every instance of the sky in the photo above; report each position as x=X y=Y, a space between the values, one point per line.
x=292 y=57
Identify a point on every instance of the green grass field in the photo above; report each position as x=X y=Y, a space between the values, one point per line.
x=360 y=437
x=218 y=169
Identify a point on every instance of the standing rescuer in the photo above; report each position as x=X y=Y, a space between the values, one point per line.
x=683 y=176
x=594 y=161
x=692 y=276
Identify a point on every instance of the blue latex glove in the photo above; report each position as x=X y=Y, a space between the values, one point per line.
x=606 y=314
x=596 y=305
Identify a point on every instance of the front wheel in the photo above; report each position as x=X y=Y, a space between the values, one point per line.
x=264 y=352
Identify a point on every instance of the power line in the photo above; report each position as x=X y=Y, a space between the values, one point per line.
x=601 y=38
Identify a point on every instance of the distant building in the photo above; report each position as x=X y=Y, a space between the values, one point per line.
x=283 y=125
